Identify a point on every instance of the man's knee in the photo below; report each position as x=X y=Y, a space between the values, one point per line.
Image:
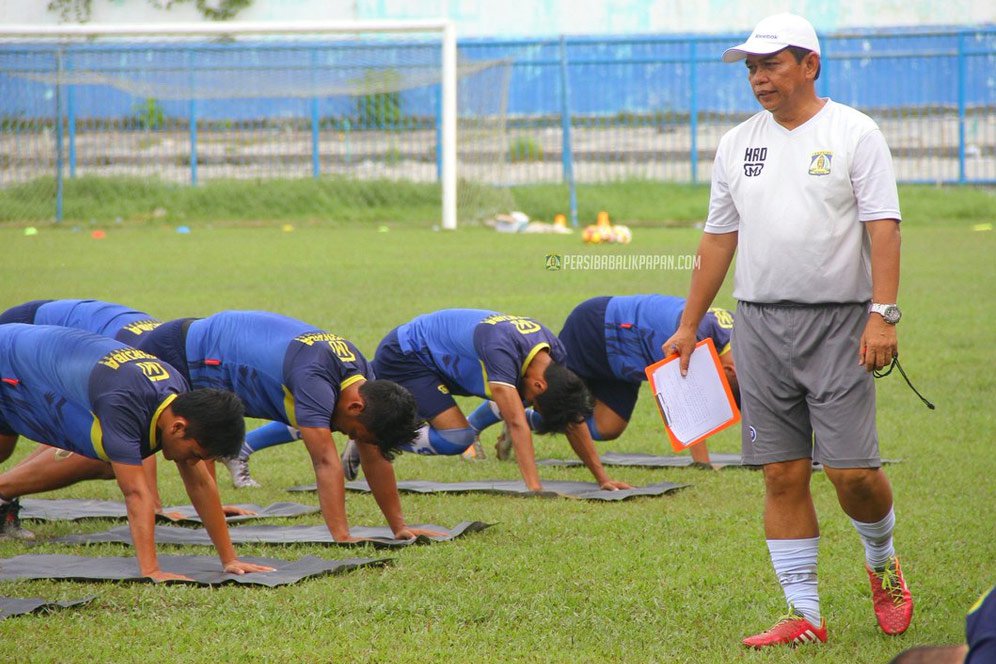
x=788 y=478
x=856 y=482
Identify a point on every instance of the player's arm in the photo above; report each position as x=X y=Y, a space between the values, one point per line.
x=879 y=343
x=580 y=439
x=384 y=487
x=713 y=260
x=204 y=496
x=330 y=479
x=514 y=415
x=141 y=506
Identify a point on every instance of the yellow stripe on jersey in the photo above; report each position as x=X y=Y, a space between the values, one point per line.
x=982 y=598
x=97 y=438
x=289 y=407
x=153 y=439
x=352 y=380
x=484 y=375
x=726 y=349
x=529 y=358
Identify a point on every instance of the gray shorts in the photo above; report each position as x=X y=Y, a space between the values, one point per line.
x=803 y=393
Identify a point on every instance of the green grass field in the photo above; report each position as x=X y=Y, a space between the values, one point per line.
x=674 y=579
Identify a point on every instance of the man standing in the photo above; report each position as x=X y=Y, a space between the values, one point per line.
x=805 y=192
x=116 y=406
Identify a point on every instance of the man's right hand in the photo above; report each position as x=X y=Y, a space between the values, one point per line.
x=682 y=343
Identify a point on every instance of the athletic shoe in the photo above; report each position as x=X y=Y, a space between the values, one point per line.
x=503 y=447
x=10 y=522
x=351 y=460
x=891 y=598
x=475 y=452
x=791 y=630
x=239 y=468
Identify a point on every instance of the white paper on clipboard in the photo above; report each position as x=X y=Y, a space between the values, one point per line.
x=697 y=404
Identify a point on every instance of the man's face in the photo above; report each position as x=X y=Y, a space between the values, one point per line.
x=349 y=424
x=183 y=450
x=778 y=82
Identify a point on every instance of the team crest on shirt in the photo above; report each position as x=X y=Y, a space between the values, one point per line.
x=819 y=162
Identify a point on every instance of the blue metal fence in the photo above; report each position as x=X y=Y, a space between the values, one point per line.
x=578 y=109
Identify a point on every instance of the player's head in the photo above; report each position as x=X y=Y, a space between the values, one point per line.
x=213 y=419
x=565 y=401
x=388 y=418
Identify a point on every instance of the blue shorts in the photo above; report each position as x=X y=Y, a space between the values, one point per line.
x=432 y=394
x=584 y=338
x=23 y=313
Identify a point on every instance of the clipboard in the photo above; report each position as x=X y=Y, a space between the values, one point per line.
x=698 y=405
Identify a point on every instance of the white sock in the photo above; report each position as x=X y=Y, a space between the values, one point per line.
x=794 y=561
x=877 y=538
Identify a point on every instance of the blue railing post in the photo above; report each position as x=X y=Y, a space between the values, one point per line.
x=316 y=165
x=71 y=120
x=693 y=112
x=193 y=119
x=59 y=157
x=962 y=77
x=567 y=155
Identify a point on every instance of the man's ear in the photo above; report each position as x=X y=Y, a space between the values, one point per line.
x=178 y=426
x=355 y=407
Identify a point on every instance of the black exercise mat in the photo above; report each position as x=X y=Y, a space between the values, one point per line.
x=204 y=570
x=581 y=490
x=717 y=461
x=18 y=606
x=649 y=461
x=378 y=536
x=64 y=509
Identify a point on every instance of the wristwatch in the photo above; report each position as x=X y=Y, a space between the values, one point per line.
x=889 y=312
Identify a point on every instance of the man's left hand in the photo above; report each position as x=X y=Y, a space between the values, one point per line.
x=614 y=485
x=878 y=344
x=239 y=567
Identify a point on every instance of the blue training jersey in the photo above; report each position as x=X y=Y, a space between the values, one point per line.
x=470 y=348
x=81 y=392
x=637 y=325
x=281 y=368
x=105 y=318
x=980 y=630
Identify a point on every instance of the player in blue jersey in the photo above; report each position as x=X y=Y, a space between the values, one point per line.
x=980 y=637
x=509 y=359
x=117 y=406
x=610 y=341
x=315 y=381
x=104 y=318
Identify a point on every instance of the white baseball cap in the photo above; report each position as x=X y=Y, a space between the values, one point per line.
x=773 y=34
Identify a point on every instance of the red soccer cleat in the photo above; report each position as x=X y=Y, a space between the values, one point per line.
x=892 y=599
x=791 y=630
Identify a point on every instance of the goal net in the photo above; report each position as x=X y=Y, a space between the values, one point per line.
x=252 y=103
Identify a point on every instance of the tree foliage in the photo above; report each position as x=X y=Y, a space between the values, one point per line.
x=80 y=11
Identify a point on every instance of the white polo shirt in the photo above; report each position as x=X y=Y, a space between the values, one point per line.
x=797 y=199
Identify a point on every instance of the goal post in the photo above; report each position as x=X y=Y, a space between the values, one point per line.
x=193 y=102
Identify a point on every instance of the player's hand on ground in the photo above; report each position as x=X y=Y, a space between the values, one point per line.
x=159 y=576
x=347 y=539
x=233 y=510
x=172 y=516
x=240 y=567
x=615 y=485
x=412 y=533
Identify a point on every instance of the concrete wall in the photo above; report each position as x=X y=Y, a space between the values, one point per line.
x=531 y=18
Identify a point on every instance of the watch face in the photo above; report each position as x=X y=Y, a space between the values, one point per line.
x=892 y=314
